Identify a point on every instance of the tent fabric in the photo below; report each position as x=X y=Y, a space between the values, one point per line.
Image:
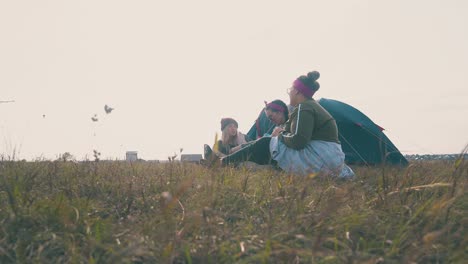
x=362 y=141
x=263 y=125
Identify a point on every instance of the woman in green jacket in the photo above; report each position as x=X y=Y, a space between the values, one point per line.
x=308 y=143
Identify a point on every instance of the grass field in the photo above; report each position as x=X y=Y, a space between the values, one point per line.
x=143 y=212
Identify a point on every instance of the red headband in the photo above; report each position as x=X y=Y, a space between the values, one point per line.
x=303 y=89
x=276 y=107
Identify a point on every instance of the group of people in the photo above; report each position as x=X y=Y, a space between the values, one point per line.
x=299 y=138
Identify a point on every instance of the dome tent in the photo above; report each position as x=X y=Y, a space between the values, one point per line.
x=362 y=141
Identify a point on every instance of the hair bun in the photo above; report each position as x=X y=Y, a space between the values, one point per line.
x=313 y=75
x=310 y=81
x=316 y=85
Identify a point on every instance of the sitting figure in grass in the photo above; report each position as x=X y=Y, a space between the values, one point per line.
x=231 y=139
x=274 y=114
x=307 y=144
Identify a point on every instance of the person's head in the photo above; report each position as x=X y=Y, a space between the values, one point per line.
x=229 y=127
x=303 y=88
x=277 y=112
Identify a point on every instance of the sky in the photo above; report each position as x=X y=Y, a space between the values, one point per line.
x=172 y=69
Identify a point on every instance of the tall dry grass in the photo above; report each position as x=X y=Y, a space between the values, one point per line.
x=142 y=212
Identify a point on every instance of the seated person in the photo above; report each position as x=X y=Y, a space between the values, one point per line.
x=231 y=139
x=308 y=143
x=274 y=114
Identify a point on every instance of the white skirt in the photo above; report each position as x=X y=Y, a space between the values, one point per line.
x=317 y=157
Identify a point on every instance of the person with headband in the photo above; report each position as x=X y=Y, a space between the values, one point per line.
x=272 y=115
x=308 y=143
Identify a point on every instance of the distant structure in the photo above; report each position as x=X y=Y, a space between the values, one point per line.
x=131 y=156
x=425 y=157
x=194 y=158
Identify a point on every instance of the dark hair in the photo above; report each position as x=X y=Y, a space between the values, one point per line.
x=226 y=121
x=310 y=80
x=281 y=103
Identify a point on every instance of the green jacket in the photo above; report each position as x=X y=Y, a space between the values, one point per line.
x=309 y=121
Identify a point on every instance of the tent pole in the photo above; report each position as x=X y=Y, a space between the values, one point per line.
x=354 y=150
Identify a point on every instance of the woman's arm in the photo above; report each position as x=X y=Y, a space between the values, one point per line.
x=234 y=149
x=302 y=127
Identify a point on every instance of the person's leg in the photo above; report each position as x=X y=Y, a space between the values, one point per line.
x=258 y=152
x=211 y=157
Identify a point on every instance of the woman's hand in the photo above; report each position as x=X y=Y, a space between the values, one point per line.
x=277 y=131
x=234 y=149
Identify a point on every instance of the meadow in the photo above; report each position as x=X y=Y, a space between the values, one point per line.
x=146 y=212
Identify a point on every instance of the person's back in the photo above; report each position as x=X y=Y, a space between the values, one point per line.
x=314 y=124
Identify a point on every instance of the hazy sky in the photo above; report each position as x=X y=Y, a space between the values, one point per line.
x=172 y=69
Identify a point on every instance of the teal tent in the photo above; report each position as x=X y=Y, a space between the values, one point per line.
x=362 y=141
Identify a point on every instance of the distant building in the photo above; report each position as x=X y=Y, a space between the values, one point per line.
x=195 y=158
x=131 y=156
